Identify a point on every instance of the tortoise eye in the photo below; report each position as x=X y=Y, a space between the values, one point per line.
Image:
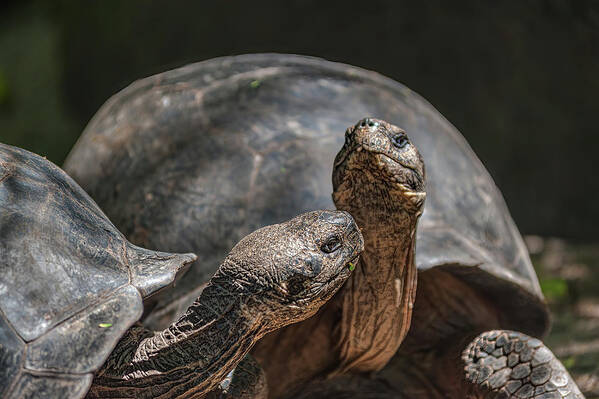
x=331 y=245
x=400 y=141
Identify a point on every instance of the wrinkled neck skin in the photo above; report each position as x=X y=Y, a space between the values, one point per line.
x=428 y=364
x=189 y=358
x=361 y=327
x=377 y=300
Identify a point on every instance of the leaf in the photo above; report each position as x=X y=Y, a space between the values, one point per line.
x=352 y=266
x=554 y=288
x=105 y=325
x=569 y=362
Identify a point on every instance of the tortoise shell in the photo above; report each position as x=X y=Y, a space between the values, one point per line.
x=195 y=158
x=70 y=283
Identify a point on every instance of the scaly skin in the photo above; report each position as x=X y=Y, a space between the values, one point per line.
x=508 y=364
x=379 y=179
x=278 y=275
x=247 y=381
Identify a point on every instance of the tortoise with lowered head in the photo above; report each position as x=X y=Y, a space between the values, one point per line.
x=73 y=286
x=186 y=159
x=277 y=275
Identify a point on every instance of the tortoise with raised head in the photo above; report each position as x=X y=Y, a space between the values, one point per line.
x=73 y=287
x=185 y=158
x=452 y=364
x=379 y=178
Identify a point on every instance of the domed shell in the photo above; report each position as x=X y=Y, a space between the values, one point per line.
x=195 y=158
x=70 y=283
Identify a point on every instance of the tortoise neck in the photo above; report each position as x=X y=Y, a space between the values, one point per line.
x=190 y=357
x=378 y=299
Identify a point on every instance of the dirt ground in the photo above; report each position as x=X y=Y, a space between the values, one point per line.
x=569 y=275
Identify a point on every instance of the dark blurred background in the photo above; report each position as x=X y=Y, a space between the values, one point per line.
x=518 y=79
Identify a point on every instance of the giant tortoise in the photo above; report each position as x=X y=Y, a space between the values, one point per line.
x=193 y=159
x=497 y=363
x=72 y=287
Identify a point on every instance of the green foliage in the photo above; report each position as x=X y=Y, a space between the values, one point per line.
x=569 y=275
x=554 y=289
x=569 y=362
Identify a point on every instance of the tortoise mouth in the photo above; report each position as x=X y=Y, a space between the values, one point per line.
x=347 y=268
x=324 y=291
x=351 y=265
x=415 y=187
x=344 y=271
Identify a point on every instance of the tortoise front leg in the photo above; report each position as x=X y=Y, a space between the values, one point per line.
x=509 y=364
x=496 y=364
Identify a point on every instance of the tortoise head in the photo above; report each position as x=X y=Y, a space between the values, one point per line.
x=286 y=271
x=378 y=163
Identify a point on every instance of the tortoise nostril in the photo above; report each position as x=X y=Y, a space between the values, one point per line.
x=367 y=122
